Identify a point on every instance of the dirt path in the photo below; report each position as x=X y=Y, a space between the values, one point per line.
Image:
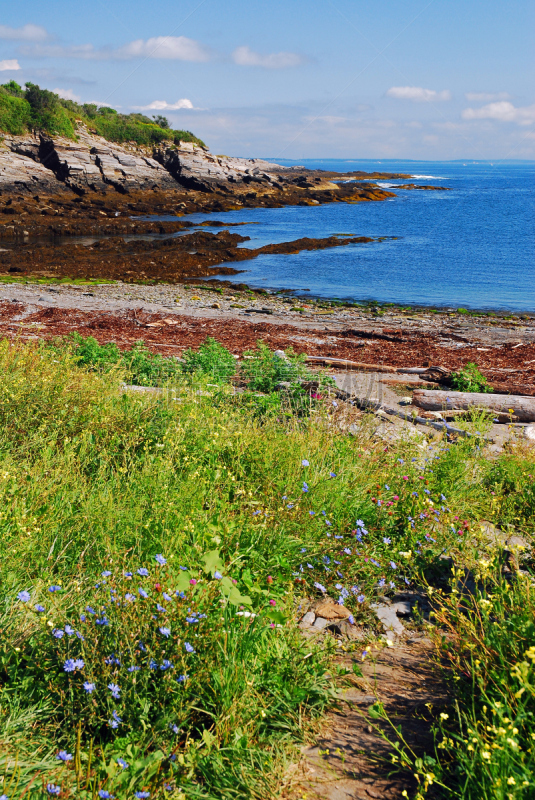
x=350 y=760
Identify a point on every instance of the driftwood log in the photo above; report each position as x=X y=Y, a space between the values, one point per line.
x=521 y=408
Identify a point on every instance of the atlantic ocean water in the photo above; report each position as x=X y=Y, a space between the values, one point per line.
x=471 y=247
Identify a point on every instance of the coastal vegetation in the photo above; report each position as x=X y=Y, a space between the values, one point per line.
x=156 y=548
x=40 y=110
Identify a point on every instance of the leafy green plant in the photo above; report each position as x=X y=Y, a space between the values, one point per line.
x=470 y=379
x=211 y=359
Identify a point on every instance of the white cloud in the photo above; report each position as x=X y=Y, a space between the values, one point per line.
x=163 y=105
x=178 y=48
x=67 y=94
x=246 y=57
x=486 y=97
x=417 y=94
x=28 y=33
x=10 y=64
x=502 y=111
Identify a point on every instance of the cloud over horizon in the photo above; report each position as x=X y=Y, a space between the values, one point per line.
x=67 y=94
x=503 y=112
x=417 y=94
x=9 y=65
x=163 y=105
x=245 y=57
x=28 y=33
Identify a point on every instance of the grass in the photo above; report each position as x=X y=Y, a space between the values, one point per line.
x=193 y=523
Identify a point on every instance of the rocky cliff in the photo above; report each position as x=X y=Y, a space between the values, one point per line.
x=38 y=163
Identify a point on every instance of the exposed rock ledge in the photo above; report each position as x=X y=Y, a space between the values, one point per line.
x=40 y=163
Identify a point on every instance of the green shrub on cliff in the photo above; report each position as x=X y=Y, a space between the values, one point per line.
x=36 y=109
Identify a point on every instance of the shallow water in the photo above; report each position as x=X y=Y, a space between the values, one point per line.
x=471 y=247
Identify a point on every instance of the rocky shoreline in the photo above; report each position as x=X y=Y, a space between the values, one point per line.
x=54 y=190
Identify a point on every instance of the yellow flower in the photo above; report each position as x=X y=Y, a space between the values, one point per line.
x=486 y=755
x=511 y=781
x=444 y=716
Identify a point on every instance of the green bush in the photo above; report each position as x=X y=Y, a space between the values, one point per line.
x=212 y=360
x=470 y=379
x=39 y=109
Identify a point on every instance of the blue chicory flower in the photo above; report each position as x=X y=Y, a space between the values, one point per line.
x=64 y=756
x=305 y=463
x=52 y=788
x=115 y=690
x=143 y=571
x=54 y=589
x=24 y=596
x=361 y=598
x=165 y=632
x=217 y=575
x=188 y=648
x=58 y=633
x=39 y=608
x=89 y=687
x=122 y=763
x=142 y=593
x=106 y=573
x=160 y=559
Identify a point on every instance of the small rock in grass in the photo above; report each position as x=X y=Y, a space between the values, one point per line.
x=321 y=623
x=308 y=619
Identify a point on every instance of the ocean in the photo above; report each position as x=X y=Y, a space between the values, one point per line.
x=471 y=247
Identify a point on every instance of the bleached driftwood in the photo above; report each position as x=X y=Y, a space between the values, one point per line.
x=520 y=407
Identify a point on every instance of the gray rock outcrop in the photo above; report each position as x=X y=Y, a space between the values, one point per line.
x=92 y=164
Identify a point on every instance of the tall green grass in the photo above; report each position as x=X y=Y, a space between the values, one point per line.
x=262 y=509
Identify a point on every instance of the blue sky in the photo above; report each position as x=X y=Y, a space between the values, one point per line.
x=297 y=79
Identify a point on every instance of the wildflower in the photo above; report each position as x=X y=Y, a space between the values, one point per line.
x=347 y=551
x=133 y=668
x=54 y=588
x=68 y=630
x=392 y=585
x=305 y=487
x=127 y=574
x=312 y=513
x=444 y=716
x=188 y=647
x=486 y=755
x=90 y=610
x=305 y=463
x=141 y=795
x=104 y=794
x=182 y=678
x=24 y=596
x=142 y=593
x=193 y=582
x=387 y=540
x=427 y=491
x=130 y=597
x=106 y=573
x=39 y=608
x=166 y=597
x=381 y=583
x=256 y=513
x=351 y=619
x=115 y=690
x=165 y=632
x=160 y=608
x=102 y=621
x=320 y=587
x=89 y=687
x=166 y=664
x=64 y=756
x=361 y=598
x=70 y=665
x=52 y=788
x=392 y=564
x=511 y=781
x=174 y=728
x=160 y=559
x=58 y=633
x=272 y=602
x=405 y=477
x=217 y=575
x=122 y=763
x=143 y=571
x=332 y=474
